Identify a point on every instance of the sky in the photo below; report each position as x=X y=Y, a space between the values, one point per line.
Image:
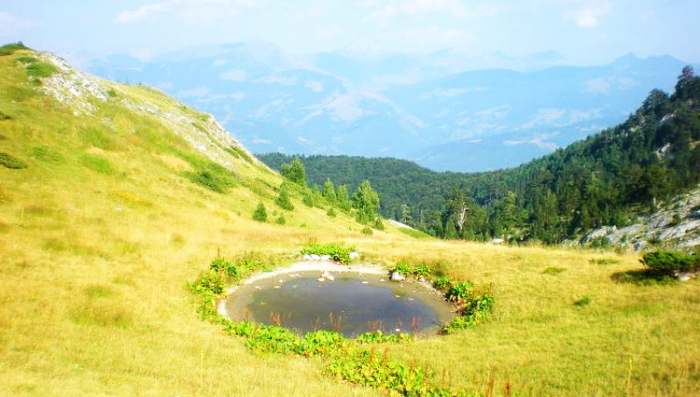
x=578 y=31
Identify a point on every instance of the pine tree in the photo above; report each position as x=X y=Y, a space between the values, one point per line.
x=366 y=201
x=329 y=192
x=283 y=199
x=260 y=213
x=294 y=171
x=342 y=198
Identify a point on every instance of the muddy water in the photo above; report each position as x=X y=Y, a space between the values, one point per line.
x=353 y=303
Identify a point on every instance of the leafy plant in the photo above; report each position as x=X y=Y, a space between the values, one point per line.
x=331 y=212
x=260 y=213
x=367 y=231
x=459 y=292
x=379 y=336
x=280 y=220
x=442 y=283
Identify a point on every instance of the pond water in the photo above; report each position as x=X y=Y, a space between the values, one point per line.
x=352 y=303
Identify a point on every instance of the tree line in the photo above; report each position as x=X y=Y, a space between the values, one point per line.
x=606 y=179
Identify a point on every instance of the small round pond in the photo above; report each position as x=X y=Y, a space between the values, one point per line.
x=348 y=302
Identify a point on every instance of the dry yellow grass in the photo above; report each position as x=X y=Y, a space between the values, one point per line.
x=93 y=296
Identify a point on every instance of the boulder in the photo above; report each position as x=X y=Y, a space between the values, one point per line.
x=396 y=276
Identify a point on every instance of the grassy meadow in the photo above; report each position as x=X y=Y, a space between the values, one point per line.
x=105 y=220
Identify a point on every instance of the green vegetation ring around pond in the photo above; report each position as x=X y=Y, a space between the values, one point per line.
x=350 y=360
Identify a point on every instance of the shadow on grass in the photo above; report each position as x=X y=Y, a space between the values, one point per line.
x=643 y=277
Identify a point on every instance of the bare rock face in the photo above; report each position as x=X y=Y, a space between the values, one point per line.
x=676 y=224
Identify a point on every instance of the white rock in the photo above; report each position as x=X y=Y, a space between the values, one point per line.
x=354 y=255
x=307 y=257
x=325 y=257
x=315 y=257
x=396 y=276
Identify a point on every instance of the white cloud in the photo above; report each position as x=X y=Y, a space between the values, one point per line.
x=137 y=14
x=314 y=86
x=234 y=75
x=303 y=140
x=597 y=86
x=187 y=10
x=539 y=141
x=278 y=79
x=260 y=141
x=588 y=13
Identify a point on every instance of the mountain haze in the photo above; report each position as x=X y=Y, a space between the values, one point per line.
x=423 y=108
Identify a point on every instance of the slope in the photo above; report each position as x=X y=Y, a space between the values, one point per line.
x=107 y=210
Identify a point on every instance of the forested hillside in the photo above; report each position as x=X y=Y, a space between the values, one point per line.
x=606 y=179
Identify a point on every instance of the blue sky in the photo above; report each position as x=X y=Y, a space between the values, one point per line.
x=577 y=31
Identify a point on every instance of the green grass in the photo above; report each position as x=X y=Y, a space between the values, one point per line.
x=97 y=163
x=40 y=69
x=414 y=233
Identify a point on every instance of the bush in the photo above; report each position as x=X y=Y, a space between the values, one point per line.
x=459 y=292
x=98 y=164
x=366 y=231
x=213 y=177
x=260 y=213
x=671 y=262
x=331 y=212
x=442 y=283
x=282 y=199
x=9 y=49
x=11 y=162
x=378 y=224
x=337 y=252
x=281 y=220
x=41 y=69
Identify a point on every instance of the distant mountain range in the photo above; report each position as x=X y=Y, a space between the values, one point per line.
x=419 y=108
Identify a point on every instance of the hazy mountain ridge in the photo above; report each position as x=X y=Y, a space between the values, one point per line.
x=404 y=106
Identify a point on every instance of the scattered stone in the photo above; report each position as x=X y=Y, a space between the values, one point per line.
x=356 y=255
x=325 y=257
x=497 y=241
x=307 y=257
x=315 y=257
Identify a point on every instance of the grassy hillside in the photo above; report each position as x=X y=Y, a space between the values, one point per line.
x=114 y=197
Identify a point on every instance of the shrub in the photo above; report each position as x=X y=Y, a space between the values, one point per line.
x=11 y=162
x=308 y=199
x=213 y=177
x=378 y=224
x=227 y=267
x=337 y=252
x=331 y=212
x=209 y=282
x=671 y=262
x=584 y=301
x=402 y=267
x=41 y=69
x=442 y=283
x=421 y=270
x=366 y=231
x=260 y=213
x=473 y=312
x=10 y=48
x=281 y=220
x=237 y=152
x=98 y=164
x=459 y=292
x=282 y=199
x=553 y=270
